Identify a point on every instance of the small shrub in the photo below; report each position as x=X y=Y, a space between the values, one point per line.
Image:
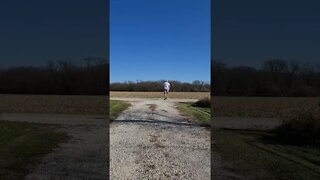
x=303 y=128
x=204 y=102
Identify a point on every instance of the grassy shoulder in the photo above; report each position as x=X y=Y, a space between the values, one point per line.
x=254 y=154
x=23 y=144
x=199 y=113
x=116 y=107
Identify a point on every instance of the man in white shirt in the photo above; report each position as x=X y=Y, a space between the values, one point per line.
x=166 y=88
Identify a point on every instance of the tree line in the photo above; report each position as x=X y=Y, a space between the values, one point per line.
x=276 y=77
x=59 y=77
x=152 y=86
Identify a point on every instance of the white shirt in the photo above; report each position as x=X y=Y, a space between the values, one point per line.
x=166 y=85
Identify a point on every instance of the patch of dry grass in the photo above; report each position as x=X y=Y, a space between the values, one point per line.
x=175 y=95
x=301 y=128
x=204 y=103
x=222 y=106
x=260 y=106
x=61 y=104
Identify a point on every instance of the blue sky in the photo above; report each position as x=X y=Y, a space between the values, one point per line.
x=159 y=39
x=153 y=40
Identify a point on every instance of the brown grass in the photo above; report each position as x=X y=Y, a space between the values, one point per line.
x=260 y=106
x=222 y=106
x=53 y=104
x=301 y=128
x=204 y=102
x=175 y=95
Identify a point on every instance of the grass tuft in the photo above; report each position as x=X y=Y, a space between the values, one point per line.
x=300 y=128
x=116 y=107
x=203 y=115
x=203 y=103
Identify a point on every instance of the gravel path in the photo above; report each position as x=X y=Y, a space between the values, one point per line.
x=151 y=140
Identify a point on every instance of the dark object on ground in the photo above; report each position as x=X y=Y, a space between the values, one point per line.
x=301 y=129
x=205 y=103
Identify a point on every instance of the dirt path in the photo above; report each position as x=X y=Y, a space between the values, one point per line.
x=83 y=157
x=151 y=140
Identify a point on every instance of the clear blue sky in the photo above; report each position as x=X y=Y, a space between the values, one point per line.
x=159 y=39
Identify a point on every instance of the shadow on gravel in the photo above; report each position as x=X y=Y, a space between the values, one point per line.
x=160 y=122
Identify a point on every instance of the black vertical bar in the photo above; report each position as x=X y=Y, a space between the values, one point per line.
x=108 y=87
x=212 y=88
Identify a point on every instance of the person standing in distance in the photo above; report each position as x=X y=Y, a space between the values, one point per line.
x=166 y=88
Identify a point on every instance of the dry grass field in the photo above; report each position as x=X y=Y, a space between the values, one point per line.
x=222 y=106
x=175 y=95
x=261 y=106
x=62 y=104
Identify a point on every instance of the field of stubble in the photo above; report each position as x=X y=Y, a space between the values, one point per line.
x=261 y=106
x=175 y=95
x=60 y=104
x=222 y=106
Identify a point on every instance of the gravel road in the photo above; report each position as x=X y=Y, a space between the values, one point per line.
x=152 y=140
